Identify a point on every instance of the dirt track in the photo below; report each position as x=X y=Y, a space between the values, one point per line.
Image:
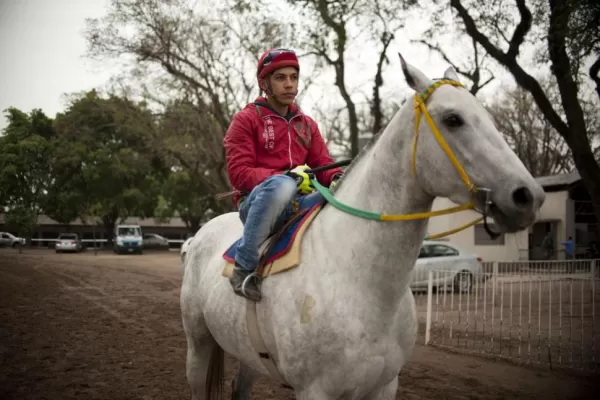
x=79 y=326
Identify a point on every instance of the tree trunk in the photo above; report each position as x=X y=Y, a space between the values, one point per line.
x=574 y=131
x=192 y=223
x=109 y=223
x=588 y=169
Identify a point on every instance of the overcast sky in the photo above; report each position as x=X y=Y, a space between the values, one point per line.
x=43 y=48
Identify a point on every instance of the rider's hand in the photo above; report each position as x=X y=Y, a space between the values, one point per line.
x=302 y=179
x=334 y=180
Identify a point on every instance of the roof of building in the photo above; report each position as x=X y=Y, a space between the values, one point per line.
x=567 y=179
x=143 y=222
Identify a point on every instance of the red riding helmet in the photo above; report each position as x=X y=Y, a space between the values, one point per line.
x=274 y=59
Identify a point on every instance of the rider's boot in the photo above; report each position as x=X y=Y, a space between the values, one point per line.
x=250 y=288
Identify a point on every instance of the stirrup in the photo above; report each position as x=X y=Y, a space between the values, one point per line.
x=250 y=276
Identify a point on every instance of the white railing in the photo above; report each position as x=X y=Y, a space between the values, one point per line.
x=545 y=318
x=101 y=242
x=549 y=267
x=530 y=269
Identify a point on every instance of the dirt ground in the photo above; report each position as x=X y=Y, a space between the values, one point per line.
x=80 y=326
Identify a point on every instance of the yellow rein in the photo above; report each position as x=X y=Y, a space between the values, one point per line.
x=420 y=99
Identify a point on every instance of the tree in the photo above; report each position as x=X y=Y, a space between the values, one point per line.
x=191 y=142
x=492 y=26
x=583 y=37
x=530 y=135
x=67 y=195
x=22 y=220
x=109 y=158
x=329 y=37
x=25 y=167
x=475 y=66
x=200 y=53
x=335 y=124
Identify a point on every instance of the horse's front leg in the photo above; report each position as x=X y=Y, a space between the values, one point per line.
x=387 y=392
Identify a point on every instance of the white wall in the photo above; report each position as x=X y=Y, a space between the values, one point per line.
x=555 y=208
x=516 y=246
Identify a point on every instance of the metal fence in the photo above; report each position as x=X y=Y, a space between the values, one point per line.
x=531 y=312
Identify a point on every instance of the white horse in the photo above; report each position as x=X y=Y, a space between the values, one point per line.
x=343 y=323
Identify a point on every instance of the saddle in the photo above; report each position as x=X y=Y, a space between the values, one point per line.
x=281 y=251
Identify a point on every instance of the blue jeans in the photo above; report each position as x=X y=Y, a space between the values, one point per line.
x=263 y=212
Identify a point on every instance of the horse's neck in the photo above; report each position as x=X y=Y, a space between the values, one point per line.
x=380 y=255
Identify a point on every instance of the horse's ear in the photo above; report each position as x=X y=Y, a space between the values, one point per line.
x=414 y=77
x=451 y=74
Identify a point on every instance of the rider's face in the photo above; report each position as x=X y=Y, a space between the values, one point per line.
x=284 y=85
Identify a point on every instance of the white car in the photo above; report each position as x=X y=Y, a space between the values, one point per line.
x=8 y=239
x=459 y=270
x=68 y=242
x=154 y=241
x=184 y=248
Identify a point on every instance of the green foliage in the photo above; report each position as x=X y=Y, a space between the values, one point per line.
x=21 y=220
x=162 y=212
x=185 y=197
x=25 y=170
x=105 y=163
x=191 y=142
x=106 y=158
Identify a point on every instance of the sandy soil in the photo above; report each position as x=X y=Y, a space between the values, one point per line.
x=80 y=326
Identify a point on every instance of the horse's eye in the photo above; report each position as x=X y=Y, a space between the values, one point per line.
x=453 y=120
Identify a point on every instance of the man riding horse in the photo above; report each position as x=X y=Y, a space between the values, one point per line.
x=268 y=146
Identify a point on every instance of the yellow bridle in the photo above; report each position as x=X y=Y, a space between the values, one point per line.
x=419 y=102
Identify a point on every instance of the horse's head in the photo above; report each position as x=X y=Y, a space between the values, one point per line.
x=461 y=155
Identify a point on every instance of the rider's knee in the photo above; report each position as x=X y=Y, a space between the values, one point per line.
x=284 y=188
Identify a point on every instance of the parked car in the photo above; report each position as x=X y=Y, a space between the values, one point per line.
x=8 y=239
x=154 y=241
x=69 y=242
x=461 y=269
x=184 y=248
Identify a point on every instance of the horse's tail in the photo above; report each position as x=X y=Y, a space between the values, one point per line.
x=215 y=387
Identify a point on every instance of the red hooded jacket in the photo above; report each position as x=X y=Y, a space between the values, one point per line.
x=260 y=143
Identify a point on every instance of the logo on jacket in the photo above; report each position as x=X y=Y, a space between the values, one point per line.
x=269 y=134
x=304 y=133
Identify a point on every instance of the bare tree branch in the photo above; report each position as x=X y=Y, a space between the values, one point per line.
x=473 y=74
x=509 y=60
x=541 y=149
x=574 y=131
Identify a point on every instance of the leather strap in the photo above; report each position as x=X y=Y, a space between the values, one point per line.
x=251 y=317
x=258 y=343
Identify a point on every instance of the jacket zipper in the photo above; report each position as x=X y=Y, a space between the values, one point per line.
x=290 y=140
x=289 y=137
